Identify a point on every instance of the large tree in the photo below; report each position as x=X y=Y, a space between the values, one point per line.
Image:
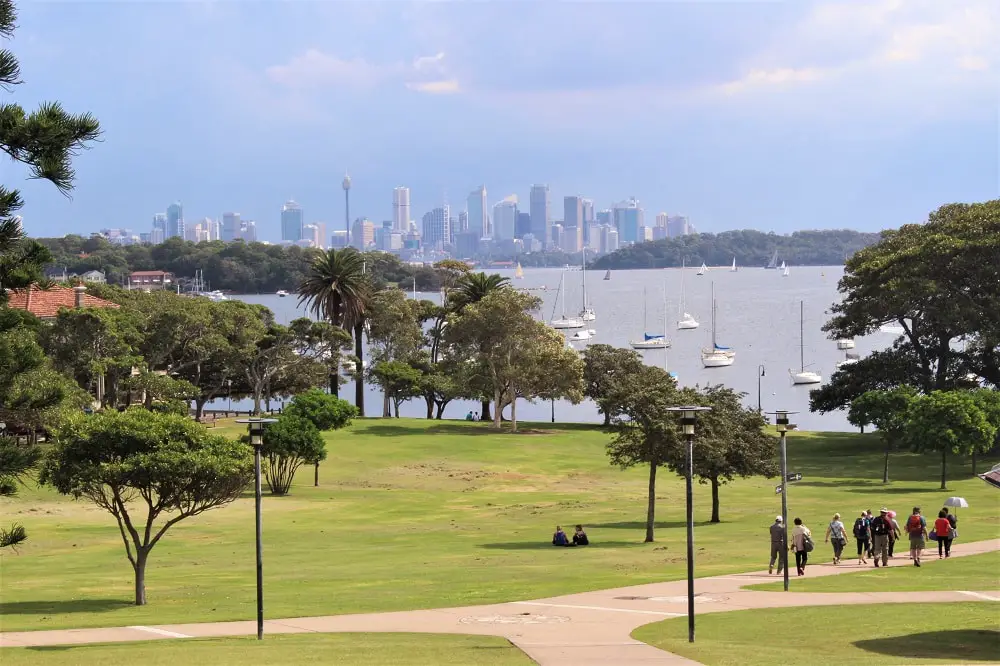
x=603 y=364
x=149 y=471
x=887 y=411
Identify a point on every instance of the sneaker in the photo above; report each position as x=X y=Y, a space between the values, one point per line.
x=916 y=563
x=770 y=570
x=876 y=565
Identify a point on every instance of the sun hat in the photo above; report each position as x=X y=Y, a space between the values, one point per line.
x=883 y=510
x=778 y=518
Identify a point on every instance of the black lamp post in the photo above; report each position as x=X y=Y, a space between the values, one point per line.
x=256 y=427
x=760 y=373
x=783 y=426
x=688 y=415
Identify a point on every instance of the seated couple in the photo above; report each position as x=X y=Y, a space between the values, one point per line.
x=579 y=537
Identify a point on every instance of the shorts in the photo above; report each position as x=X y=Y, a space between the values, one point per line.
x=917 y=543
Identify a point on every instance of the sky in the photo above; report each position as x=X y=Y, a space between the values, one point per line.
x=772 y=115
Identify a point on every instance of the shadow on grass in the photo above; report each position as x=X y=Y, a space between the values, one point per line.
x=544 y=545
x=641 y=525
x=472 y=429
x=56 y=607
x=955 y=645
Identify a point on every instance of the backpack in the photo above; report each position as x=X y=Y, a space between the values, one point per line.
x=914 y=524
x=859 y=528
x=880 y=526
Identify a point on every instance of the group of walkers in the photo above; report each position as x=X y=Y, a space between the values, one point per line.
x=875 y=536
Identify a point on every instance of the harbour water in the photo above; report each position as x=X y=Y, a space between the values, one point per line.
x=758 y=317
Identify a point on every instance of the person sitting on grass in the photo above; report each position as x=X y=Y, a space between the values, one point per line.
x=559 y=538
x=580 y=537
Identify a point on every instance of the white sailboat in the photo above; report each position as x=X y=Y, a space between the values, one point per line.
x=607 y=276
x=845 y=343
x=784 y=270
x=804 y=376
x=774 y=261
x=716 y=356
x=703 y=269
x=587 y=313
x=518 y=272
x=649 y=340
x=563 y=322
x=733 y=269
x=684 y=320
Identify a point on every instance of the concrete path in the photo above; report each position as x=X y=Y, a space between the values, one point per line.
x=576 y=629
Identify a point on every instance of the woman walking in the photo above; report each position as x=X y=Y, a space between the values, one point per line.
x=942 y=526
x=801 y=544
x=862 y=535
x=836 y=533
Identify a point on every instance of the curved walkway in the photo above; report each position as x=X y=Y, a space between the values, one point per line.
x=576 y=629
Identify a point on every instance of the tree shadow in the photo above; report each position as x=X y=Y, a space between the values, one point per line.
x=641 y=525
x=472 y=429
x=952 y=645
x=544 y=545
x=56 y=607
x=888 y=490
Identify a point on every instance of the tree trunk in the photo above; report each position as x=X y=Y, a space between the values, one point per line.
x=199 y=409
x=140 y=577
x=497 y=419
x=359 y=371
x=335 y=383
x=607 y=418
x=395 y=407
x=430 y=406
x=256 y=404
x=316 y=475
x=385 y=405
x=944 y=469
x=885 y=464
x=651 y=507
x=513 y=414
x=440 y=409
x=715 y=500
x=484 y=412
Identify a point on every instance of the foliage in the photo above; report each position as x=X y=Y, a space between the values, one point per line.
x=273 y=366
x=21 y=259
x=399 y=382
x=16 y=462
x=887 y=411
x=602 y=366
x=325 y=343
x=473 y=287
x=289 y=443
x=166 y=464
x=324 y=411
x=750 y=247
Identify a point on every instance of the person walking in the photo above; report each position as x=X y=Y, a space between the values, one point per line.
x=801 y=544
x=916 y=528
x=836 y=533
x=943 y=528
x=862 y=535
x=869 y=517
x=881 y=528
x=777 y=545
x=894 y=534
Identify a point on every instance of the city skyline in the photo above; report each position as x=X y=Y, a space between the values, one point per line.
x=774 y=116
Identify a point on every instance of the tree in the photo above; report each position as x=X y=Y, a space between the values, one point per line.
x=323 y=410
x=887 y=411
x=288 y=444
x=542 y=368
x=45 y=141
x=336 y=288
x=644 y=431
x=399 y=382
x=948 y=421
x=324 y=342
x=274 y=366
x=729 y=441
x=16 y=462
x=602 y=365
x=137 y=462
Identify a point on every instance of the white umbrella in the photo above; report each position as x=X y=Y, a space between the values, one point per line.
x=956 y=502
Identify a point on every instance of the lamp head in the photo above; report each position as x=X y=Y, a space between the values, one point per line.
x=256 y=429
x=781 y=420
x=688 y=416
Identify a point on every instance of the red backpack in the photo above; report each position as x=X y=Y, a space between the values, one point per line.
x=914 y=524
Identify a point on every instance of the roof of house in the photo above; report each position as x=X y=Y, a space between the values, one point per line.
x=151 y=273
x=45 y=303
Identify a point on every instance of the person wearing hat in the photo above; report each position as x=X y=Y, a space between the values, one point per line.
x=881 y=528
x=777 y=545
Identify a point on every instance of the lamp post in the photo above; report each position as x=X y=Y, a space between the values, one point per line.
x=553 y=410
x=229 y=390
x=783 y=426
x=688 y=415
x=256 y=427
x=760 y=373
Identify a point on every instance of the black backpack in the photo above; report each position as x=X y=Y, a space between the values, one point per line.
x=880 y=526
x=859 y=528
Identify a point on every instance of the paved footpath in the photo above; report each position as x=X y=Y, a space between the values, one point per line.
x=576 y=629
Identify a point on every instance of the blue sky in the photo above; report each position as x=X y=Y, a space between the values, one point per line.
x=769 y=115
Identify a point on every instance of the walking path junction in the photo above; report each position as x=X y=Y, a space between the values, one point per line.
x=576 y=629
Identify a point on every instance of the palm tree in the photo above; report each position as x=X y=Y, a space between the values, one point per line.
x=337 y=289
x=472 y=288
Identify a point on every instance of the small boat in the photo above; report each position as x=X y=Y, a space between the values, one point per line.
x=216 y=295
x=585 y=334
x=649 y=340
x=804 y=376
x=733 y=269
x=563 y=322
x=607 y=276
x=845 y=343
x=784 y=271
x=282 y=293
x=849 y=359
x=716 y=356
x=684 y=320
x=773 y=264
x=703 y=269
x=519 y=272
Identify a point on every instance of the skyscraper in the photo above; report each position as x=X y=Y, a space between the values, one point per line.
x=478 y=215
x=292 y=221
x=523 y=226
x=401 y=209
x=175 y=220
x=588 y=220
x=159 y=233
x=628 y=217
x=436 y=228
x=505 y=218
x=538 y=205
x=661 y=219
x=572 y=224
x=248 y=231
x=230 y=226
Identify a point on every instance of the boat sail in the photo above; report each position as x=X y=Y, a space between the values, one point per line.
x=803 y=376
x=563 y=322
x=716 y=356
x=587 y=313
x=773 y=264
x=607 y=276
x=733 y=269
x=784 y=270
x=519 y=272
x=703 y=269
x=649 y=340
x=684 y=320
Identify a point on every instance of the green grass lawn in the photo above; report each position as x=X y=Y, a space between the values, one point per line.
x=416 y=514
x=888 y=635
x=354 y=649
x=975 y=572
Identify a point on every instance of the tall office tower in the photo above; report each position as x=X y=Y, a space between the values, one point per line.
x=436 y=231
x=572 y=224
x=538 y=206
x=678 y=225
x=505 y=218
x=477 y=212
x=401 y=209
x=340 y=239
x=310 y=236
x=175 y=221
x=159 y=232
x=452 y=225
x=556 y=239
x=523 y=226
x=463 y=223
x=588 y=219
x=605 y=218
x=248 y=231
x=628 y=217
x=362 y=233
x=608 y=239
x=292 y=221
x=661 y=219
x=321 y=235
x=230 y=227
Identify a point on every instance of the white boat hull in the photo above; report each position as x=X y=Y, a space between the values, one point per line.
x=655 y=343
x=588 y=315
x=579 y=336
x=806 y=377
x=562 y=324
x=841 y=364
x=717 y=359
x=687 y=323
x=845 y=344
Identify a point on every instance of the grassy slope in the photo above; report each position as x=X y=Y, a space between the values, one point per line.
x=890 y=635
x=355 y=649
x=416 y=514
x=975 y=572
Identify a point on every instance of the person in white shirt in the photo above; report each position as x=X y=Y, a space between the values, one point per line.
x=837 y=533
x=800 y=535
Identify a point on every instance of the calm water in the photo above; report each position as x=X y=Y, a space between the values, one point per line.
x=758 y=317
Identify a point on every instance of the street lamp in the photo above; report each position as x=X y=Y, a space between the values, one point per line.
x=760 y=373
x=688 y=415
x=783 y=426
x=229 y=387
x=256 y=427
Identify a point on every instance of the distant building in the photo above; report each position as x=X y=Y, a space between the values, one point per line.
x=467 y=245
x=478 y=212
x=462 y=226
x=588 y=219
x=292 y=221
x=46 y=303
x=628 y=218
x=522 y=227
x=175 y=221
x=609 y=239
x=505 y=218
x=677 y=226
x=435 y=228
x=311 y=236
x=538 y=206
x=339 y=239
x=645 y=234
x=572 y=224
x=150 y=280
x=159 y=231
x=231 y=227
x=605 y=218
x=556 y=230
x=401 y=209
x=248 y=231
x=592 y=235
x=362 y=233
x=659 y=233
x=96 y=277
x=661 y=220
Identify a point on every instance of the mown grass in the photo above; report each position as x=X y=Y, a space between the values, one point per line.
x=889 y=635
x=416 y=514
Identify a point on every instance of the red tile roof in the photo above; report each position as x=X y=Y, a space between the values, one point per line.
x=151 y=273
x=45 y=303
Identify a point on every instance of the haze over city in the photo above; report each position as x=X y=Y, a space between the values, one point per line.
x=776 y=116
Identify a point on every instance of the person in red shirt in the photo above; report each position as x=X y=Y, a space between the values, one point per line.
x=942 y=526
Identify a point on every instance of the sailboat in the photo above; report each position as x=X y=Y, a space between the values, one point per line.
x=684 y=320
x=649 y=340
x=607 y=276
x=563 y=322
x=804 y=376
x=784 y=270
x=716 y=356
x=518 y=272
x=774 y=261
x=587 y=313
x=703 y=269
x=733 y=269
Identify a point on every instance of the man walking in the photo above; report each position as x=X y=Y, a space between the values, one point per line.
x=881 y=528
x=916 y=527
x=777 y=545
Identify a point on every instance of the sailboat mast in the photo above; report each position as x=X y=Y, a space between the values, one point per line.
x=665 y=326
x=584 y=268
x=802 y=336
x=713 y=316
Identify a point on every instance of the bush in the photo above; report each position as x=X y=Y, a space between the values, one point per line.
x=288 y=444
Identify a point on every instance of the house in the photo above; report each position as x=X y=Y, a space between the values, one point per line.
x=46 y=303
x=97 y=277
x=149 y=280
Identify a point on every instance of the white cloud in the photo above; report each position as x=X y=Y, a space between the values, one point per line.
x=443 y=87
x=315 y=69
